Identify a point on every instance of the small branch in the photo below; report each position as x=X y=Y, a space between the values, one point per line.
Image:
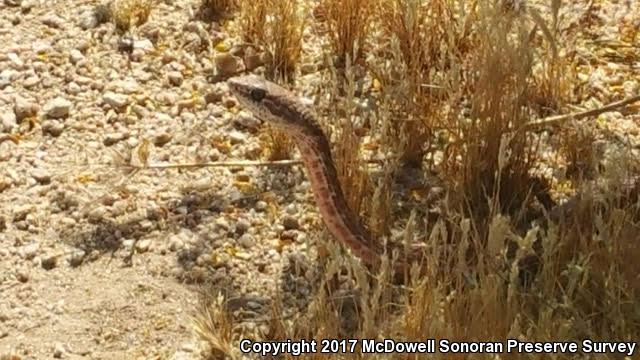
x=277 y=163
x=560 y=119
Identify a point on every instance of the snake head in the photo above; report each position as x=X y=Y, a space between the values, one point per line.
x=270 y=102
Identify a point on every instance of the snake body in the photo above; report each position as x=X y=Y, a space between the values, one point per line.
x=274 y=104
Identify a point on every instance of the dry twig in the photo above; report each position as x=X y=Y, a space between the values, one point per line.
x=557 y=120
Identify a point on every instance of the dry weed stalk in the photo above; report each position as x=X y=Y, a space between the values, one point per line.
x=555 y=73
x=351 y=169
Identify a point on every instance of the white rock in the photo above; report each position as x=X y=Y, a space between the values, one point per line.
x=57 y=108
x=115 y=100
x=41 y=47
x=175 y=78
x=87 y=20
x=58 y=351
x=175 y=243
x=75 y=56
x=128 y=86
x=31 y=81
x=143 y=245
x=6 y=76
x=236 y=137
x=73 y=88
x=53 y=21
x=24 y=108
x=29 y=251
x=8 y=121
x=15 y=60
x=143 y=44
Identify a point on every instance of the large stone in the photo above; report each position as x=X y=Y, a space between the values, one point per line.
x=57 y=108
x=8 y=122
x=227 y=64
x=24 y=108
x=115 y=100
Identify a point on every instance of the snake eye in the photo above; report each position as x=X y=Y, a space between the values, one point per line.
x=258 y=94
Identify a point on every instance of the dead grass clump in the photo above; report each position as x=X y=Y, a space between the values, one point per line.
x=128 y=13
x=495 y=160
x=277 y=144
x=420 y=41
x=213 y=324
x=275 y=26
x=348 y=22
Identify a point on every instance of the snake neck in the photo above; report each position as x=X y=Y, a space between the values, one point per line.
x=337 y=216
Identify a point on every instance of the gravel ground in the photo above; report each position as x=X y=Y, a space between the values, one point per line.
x=98 y=262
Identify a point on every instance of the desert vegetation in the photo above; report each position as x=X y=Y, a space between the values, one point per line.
x=455 y=85
x=500 y=135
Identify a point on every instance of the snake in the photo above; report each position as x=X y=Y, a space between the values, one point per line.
x=274 y=104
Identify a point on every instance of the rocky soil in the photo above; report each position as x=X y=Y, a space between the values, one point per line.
x=98 y=261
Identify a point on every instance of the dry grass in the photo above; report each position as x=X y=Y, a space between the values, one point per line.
x=467 y=74
x=419 y=42
x=577 y=146
x=276 y=27
x=276 y=144
x=351 y=169
x=348 y=23
x=130 y=13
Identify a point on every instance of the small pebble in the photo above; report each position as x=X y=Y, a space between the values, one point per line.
x=77 y=257
x=49 y=262
x=175 y=78
x=175 y=243
x=52 y=127
x=290 y=223
x=58 y=351
x=24 y=108
x=227 y=64
x=41 y=176
x=242 y=226
x=143 y=245
x=162 y=139
x=23 y=275
x=246 y=241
